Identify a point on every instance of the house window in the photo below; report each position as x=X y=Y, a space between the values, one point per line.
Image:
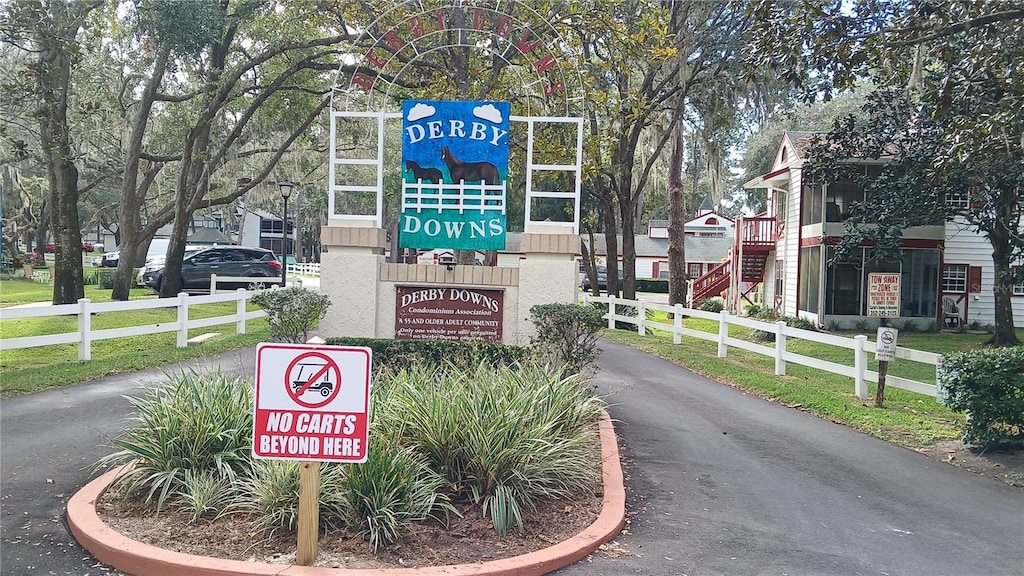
x=780 y=277
x=1018 y=287
x=663 y=269
x=810 y=278
x=693 y=270
x=960 y=200
x=954 y=278
x=843 y=288
x=811 y=201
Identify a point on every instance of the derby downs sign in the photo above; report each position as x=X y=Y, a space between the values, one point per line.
x=455 y=167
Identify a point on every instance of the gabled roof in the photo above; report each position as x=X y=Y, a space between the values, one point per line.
x=209 y=236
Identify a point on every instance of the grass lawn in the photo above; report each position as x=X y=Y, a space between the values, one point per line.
x=32 y=369
x=907 y=418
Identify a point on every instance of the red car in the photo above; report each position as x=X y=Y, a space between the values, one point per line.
x=49 y=249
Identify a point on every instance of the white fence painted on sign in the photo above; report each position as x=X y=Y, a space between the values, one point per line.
x=421 y=196
x=859 y=346
x=85 y=335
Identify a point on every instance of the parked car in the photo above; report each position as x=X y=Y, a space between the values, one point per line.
x=88 y=246
x=50 y=248
x=157 y=262
x=259 y=266
x=109 y=259
x=602 y=279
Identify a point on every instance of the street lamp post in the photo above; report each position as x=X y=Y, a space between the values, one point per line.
x=286 y=191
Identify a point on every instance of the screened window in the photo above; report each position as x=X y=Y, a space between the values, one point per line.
x=844 y=286
x=810 y=279
x=780 y=278
x=811 y=204
x=954 y=278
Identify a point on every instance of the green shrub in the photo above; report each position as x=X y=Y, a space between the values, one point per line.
x=772 y=316
x=503 y=438
x=711 y=305
x=752 y=310
x=653 y=285
x=989 y=386
x=192 y=423
x=105 y=278
x=205 y=493
x=464 y=355
x=566 y=334
x=393 y=489
x=292 y=312
x=861 y=325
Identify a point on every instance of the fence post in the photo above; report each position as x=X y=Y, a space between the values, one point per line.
x=641 y=318
x=183 y=319
x=677 y=324
x=780 y=348
x=611 y=312
x=213 y=284
x=84 y=330
x=240 y=310
x=940 y=380
x=860 y=363
x=723 y=332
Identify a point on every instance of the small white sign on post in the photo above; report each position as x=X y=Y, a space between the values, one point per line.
x=885 y=343
x=884 y=294
x=312 y=403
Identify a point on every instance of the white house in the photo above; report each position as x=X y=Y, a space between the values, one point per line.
x=946 y=269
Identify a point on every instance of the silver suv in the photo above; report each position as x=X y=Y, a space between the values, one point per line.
x=258 y=266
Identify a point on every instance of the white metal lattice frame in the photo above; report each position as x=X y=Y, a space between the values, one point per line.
x=377 y=218
x=531 y=167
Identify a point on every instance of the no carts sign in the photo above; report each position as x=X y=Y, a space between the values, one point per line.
x=312 y=403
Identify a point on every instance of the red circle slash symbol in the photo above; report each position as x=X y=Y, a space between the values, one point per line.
x=313 y=380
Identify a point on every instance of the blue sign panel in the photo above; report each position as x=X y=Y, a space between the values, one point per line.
x=455 y=168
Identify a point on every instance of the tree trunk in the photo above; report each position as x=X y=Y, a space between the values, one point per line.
x=677 y=275
x=1002 y=257
x=53 y=84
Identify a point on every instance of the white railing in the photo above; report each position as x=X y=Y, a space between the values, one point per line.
x=85 y=335
x=859 y=346
x=421 y=196
x=304 y=268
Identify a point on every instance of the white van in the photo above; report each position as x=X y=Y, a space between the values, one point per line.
x=157 y=247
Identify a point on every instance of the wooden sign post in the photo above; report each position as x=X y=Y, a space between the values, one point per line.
x=309 y=513
x=884 y=303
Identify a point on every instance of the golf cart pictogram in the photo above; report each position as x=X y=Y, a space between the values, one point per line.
x=305 y=378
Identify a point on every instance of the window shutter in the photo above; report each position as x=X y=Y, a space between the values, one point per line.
x=974 y=279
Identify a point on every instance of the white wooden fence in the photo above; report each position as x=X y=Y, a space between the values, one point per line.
x=85 y=335
x=859 y=346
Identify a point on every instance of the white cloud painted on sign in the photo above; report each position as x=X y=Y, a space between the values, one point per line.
x=421 y=111
x=488 y=112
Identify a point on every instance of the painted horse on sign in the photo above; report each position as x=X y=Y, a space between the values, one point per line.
x=469 y=171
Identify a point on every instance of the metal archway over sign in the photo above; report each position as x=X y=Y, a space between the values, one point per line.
x=495 y=53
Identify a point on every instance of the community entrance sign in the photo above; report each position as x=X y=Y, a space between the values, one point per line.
x=455 y=166
x=312 y=403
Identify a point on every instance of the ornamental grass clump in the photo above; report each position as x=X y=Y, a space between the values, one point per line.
x=503 y=438
x=194 y=425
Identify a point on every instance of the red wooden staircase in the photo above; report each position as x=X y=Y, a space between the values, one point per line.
x=755 y=240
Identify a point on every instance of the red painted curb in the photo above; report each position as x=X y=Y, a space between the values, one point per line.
x=141 y=559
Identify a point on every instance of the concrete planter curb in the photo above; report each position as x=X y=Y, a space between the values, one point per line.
x=140 y=559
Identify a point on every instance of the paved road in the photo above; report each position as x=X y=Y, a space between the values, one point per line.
x=720 y=483
x=48 y=444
